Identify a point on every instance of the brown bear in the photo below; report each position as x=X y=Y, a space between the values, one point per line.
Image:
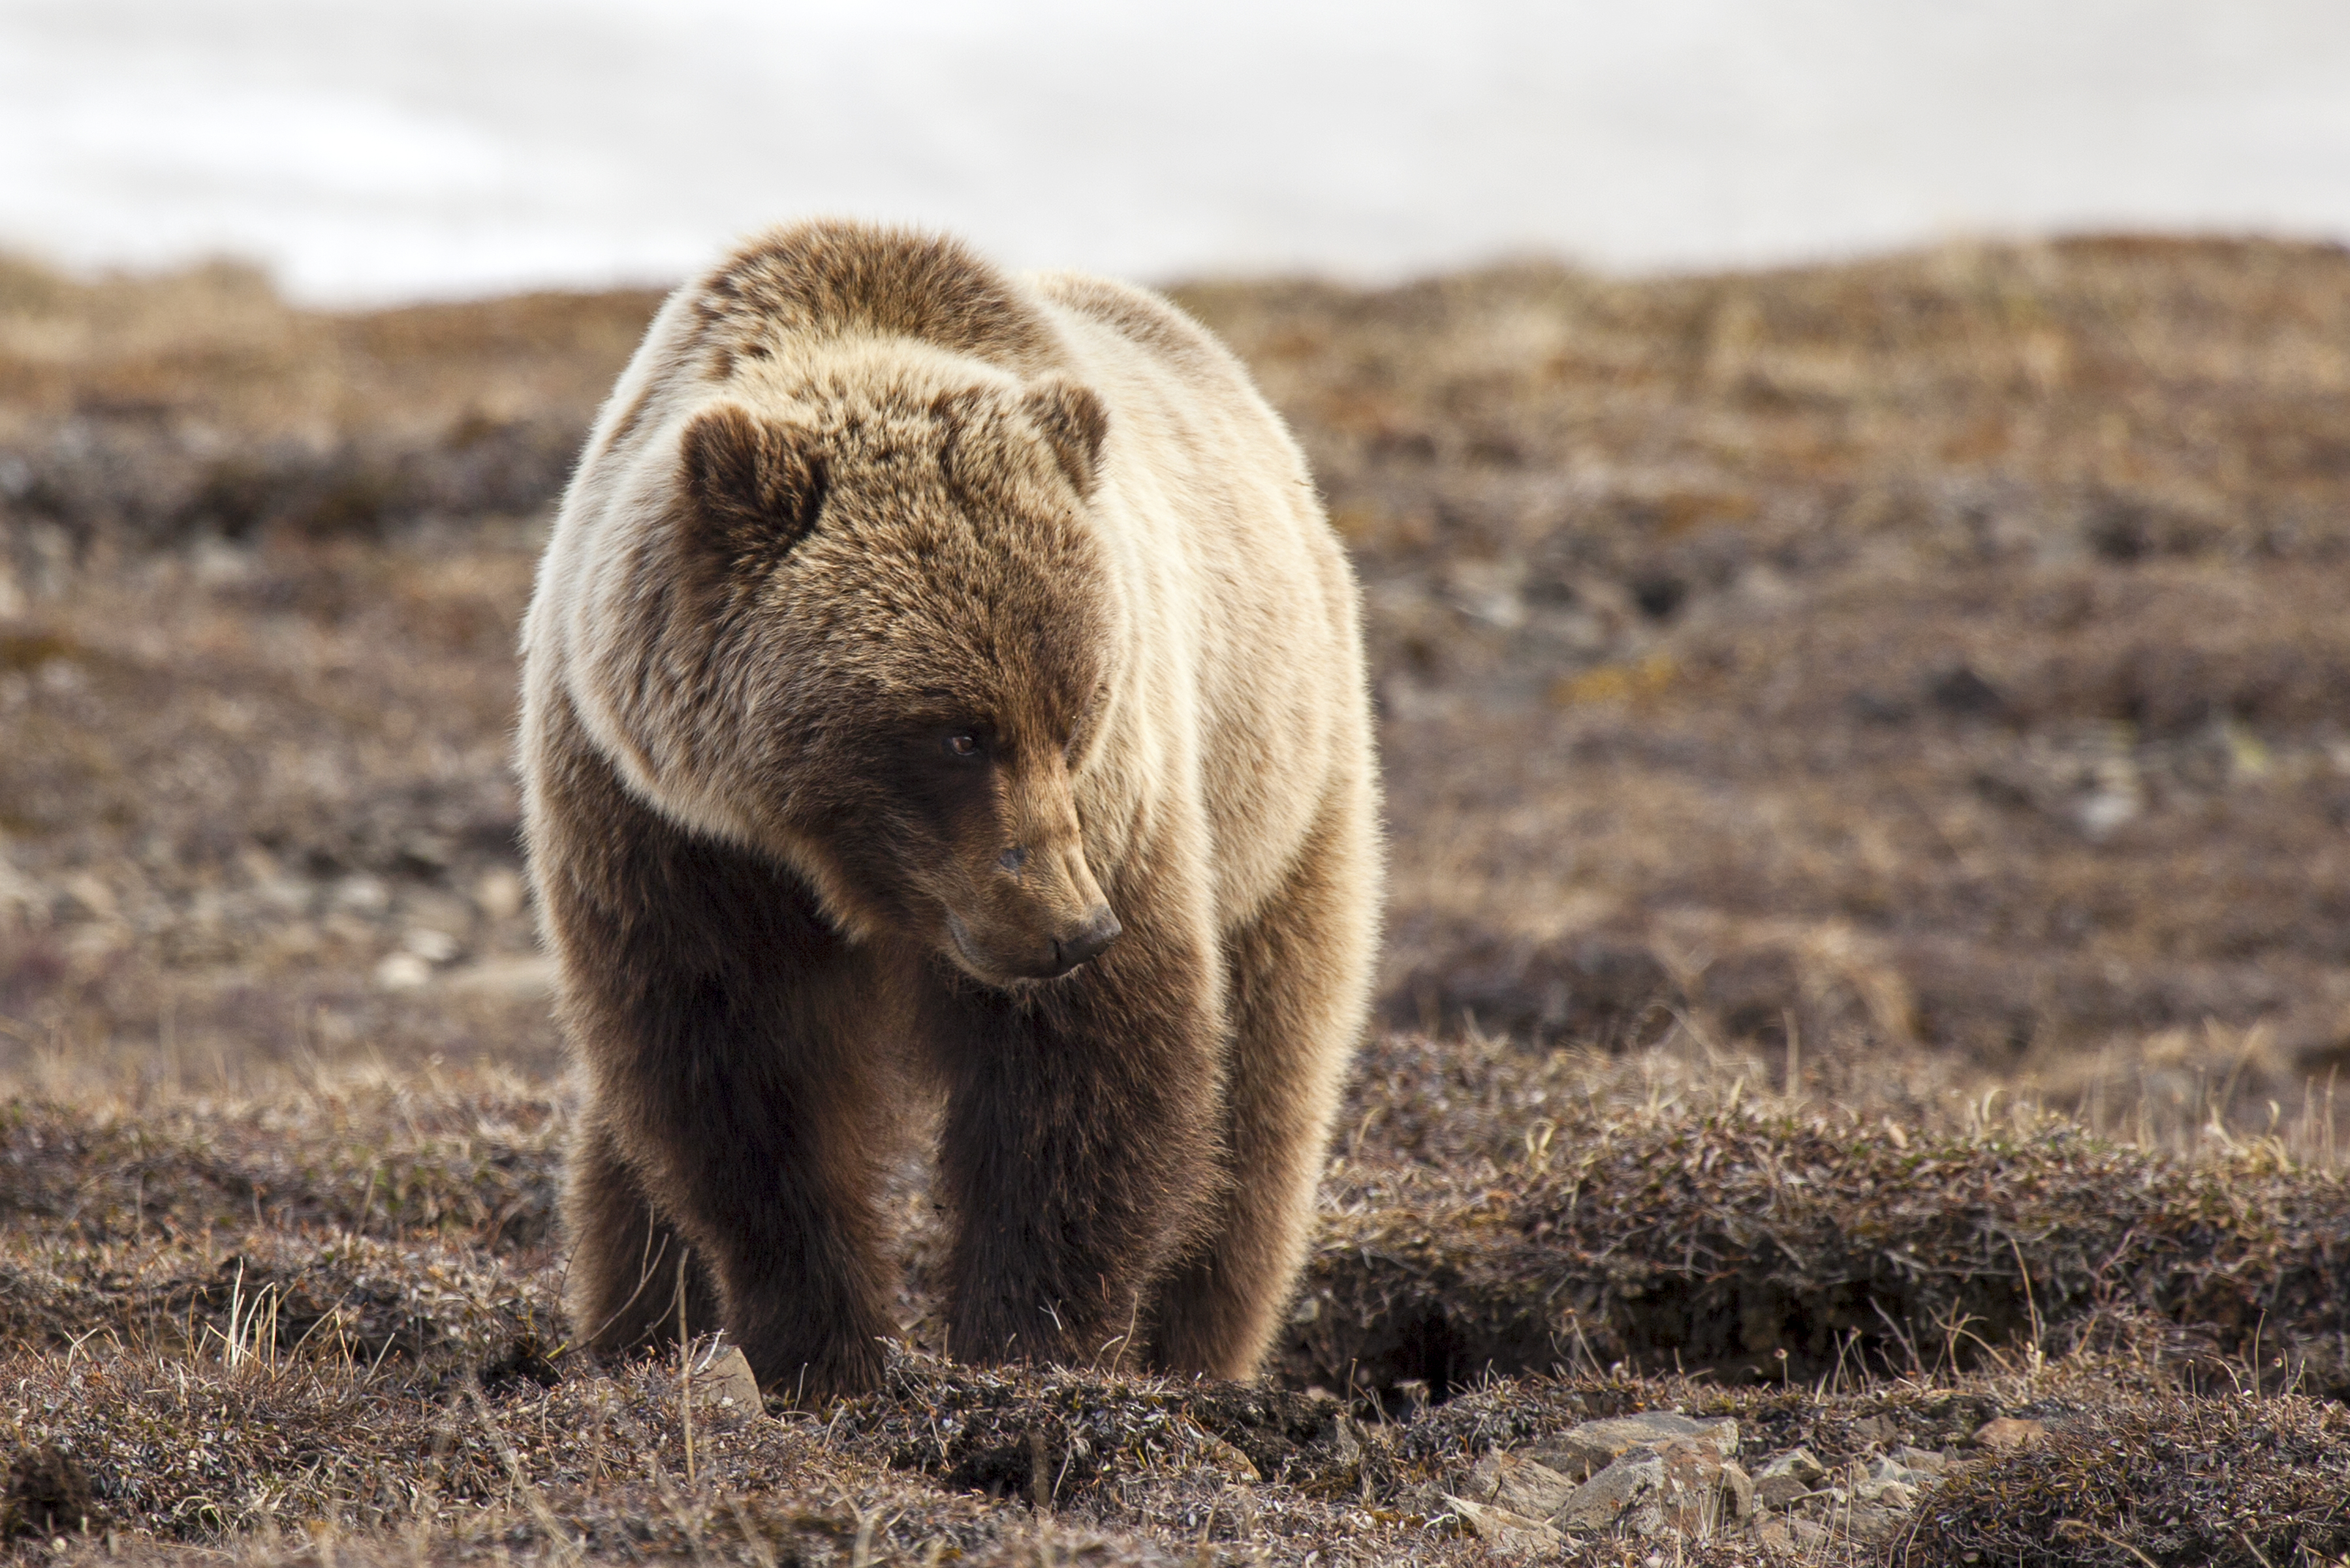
x=943 y=678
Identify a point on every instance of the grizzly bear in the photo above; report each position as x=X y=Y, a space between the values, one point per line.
x=942 y=689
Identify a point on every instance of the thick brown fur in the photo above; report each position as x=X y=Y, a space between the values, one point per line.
x=940 y=676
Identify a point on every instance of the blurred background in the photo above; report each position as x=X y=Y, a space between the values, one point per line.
x=440 y=148
x=1850 y=495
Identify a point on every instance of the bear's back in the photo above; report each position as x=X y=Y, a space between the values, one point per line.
x=796 y=288
x=833 y=279
x=1148 y=321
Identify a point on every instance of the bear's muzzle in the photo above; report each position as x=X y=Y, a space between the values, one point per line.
x=1088 y=941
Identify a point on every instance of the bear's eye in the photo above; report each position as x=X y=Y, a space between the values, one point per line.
x=964 y=745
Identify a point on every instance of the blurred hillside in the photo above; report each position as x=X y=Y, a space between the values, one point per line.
x=1945 y=650
x=1941 y=651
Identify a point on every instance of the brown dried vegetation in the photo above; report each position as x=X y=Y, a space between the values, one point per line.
x=1870 y=947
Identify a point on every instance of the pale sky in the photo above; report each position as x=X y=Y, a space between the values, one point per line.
x=370 y=153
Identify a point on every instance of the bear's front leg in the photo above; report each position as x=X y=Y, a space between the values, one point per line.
x=1078 y=1150
x=750 y=1135
x=733 y=1101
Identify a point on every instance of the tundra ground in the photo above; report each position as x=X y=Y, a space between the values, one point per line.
x=1870 y=955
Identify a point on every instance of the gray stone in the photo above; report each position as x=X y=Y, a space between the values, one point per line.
x=1786 y=1476
x=1868 y=1502
x=1737 y=1492
x=1500 y=1528
x=1867 y=1521
x=1684 y=1486
x=1590 y=1447
x=724 y=1391
x=1886 y=1483
x=1520 y=1484
x=1874 y=1430
x=1924 y=1462
x=1899 y=1496
x=1627 y=1485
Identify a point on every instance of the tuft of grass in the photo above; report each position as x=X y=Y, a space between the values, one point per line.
x=1665 y=1221
x=2237 y=1480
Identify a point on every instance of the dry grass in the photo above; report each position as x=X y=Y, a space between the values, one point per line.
x=315 y=1320
x=1870 y=947
x=1498 y=1209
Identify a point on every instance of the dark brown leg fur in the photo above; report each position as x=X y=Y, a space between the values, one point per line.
x=1077 y=1151
x=622 y=1286
x=719 y=1018
x=1297 y=986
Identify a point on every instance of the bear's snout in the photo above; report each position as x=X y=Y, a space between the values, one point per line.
x=1036 y=921
x=1003 y=955
x=1020 y=901
x=1088 y=941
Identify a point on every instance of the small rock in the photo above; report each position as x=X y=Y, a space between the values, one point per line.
x=1510 y=1532
x=1682 y=1486
x=1925 y=1461
x=1869 y=1502
x=1520 y=1484
x=1737 y=1492
x=402 y=971
x=1609 y=1497
x=499 y=894
x=2012 y=1433
x=1874 y=1430
x=1590 y=1447
x=1899 y=1496
x=1886 y=1472
x=1869 y=1522
x=724 y=1390
x=1698 y=1495
x=517 y=979
x=432 y=946
x=1832 y=1503
x=1224 y=1459
x=1787 y=1477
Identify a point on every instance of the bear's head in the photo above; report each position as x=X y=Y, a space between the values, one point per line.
x=873 y=636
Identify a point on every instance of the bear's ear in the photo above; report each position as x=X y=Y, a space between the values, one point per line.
x=755 y=484
x=1074 y=425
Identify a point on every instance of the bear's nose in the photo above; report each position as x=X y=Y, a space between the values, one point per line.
x=1101 y=929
